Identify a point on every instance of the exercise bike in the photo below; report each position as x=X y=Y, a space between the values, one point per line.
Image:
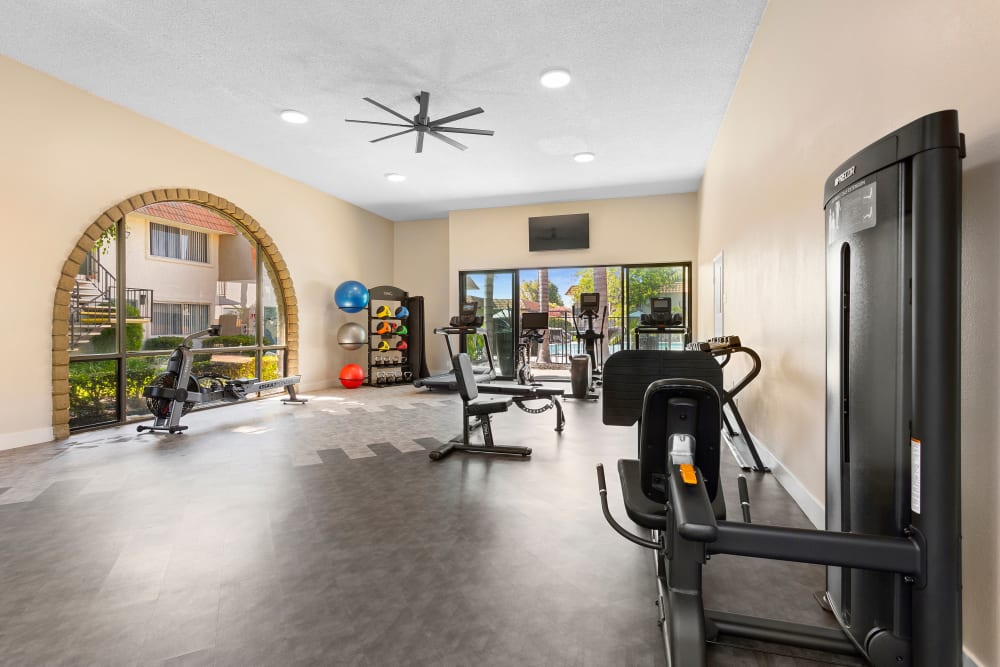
x=533 y=328
x=175 y=392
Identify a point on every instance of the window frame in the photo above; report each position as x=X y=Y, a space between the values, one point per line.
x=183 y=244
x=264 y=270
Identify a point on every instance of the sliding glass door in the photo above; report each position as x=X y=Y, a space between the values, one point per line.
x=660 y=281
x=561 y=287
x=625 y=295
x=494 y=292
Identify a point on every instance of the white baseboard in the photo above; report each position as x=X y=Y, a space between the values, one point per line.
x=24 y=438
x=807 y=502
x=969 y=661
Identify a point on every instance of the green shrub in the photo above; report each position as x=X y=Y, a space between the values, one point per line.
x=105 y=342
x=239 y=340
x=239 y=369
x=92 y=389
x=162 y=342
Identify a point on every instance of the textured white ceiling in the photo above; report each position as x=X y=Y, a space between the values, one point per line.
x=651 y=81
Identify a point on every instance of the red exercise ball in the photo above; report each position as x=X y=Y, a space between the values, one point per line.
x=352 y=376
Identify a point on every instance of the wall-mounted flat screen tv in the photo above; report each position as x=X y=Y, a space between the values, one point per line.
x=559 y=232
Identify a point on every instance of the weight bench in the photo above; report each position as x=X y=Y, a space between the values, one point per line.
x=471 y=407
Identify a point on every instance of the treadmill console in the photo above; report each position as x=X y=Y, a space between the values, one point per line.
x=468 y=316
x=661 y=313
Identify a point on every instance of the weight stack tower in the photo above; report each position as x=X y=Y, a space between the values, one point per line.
x=893 y=215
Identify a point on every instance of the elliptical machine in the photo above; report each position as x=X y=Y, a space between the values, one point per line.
x=174 y=392
x=585 y=369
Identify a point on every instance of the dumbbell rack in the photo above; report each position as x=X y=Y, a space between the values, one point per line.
x=386 y=368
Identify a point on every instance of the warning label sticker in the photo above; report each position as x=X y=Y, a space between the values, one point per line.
x=915 y=475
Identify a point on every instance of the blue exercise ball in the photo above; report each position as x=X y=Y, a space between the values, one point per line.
x=351 y=296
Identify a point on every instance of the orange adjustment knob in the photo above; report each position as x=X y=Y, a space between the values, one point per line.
x=688 y=475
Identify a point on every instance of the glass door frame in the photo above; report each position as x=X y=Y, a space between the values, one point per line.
x=515 y=310
x=623 y=269
x=688 y=299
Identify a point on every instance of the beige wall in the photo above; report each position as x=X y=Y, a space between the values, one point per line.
x=67 y=156
x=630 y=230
x=821 y=81
x=421 y=268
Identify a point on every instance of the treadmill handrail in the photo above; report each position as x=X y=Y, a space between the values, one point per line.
x=460 y=330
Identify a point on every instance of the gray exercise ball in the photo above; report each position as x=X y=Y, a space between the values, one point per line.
x=352 y=336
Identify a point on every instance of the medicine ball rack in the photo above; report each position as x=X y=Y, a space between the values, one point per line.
x=387 y=367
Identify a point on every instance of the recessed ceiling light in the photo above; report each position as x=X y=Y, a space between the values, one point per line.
x=395 y=178
x=294 y=117
x=555 y=78
x=584 y=157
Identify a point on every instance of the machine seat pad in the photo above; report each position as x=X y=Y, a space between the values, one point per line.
x=489 y=407
x=639 y=508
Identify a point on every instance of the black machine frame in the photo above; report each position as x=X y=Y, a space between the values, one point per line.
x=476 y=412
x=893 y=543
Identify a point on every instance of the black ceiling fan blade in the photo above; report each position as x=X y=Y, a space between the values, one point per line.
x=385 y=108
x=375 y=122
x=457 y=116
x=464 y=130
x=424 y=98
x=420 y=142
x=390 y=136
x=448 y=140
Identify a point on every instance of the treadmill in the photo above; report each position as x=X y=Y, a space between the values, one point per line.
x=468 y=322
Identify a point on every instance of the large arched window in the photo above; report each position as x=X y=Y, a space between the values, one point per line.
x=164 y=271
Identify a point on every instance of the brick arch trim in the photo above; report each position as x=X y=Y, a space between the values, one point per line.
x=110 y=217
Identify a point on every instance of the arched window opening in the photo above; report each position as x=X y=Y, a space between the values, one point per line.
x=160 y=272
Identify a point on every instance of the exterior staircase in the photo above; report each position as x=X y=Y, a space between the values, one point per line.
x=92 y=303
x=92 y=310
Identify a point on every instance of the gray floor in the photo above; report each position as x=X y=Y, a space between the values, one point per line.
x=322 y=534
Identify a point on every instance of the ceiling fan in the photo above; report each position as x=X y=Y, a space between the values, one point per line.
x=422 y=123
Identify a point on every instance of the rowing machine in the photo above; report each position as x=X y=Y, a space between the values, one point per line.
x=171 y=396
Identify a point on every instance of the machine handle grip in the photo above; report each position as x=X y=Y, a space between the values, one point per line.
x=744 y=498
x=602 y=488
x=693 y=510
